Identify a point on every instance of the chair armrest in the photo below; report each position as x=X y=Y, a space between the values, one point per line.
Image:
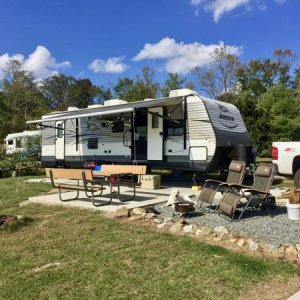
x=253 y=191
x=223 y=184
x=238 y=186
x=213 y=181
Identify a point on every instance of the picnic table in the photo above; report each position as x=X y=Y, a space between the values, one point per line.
x=120 y=175
x=91 y=181
x=114 y=179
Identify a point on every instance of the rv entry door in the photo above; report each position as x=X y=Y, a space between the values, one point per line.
x=60 y=141
x=155 y=134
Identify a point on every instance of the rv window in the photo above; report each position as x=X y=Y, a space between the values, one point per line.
x=60 y=130
x=10 y=142
x=93 y=143
x=141 y=133
x=175 y=128
x=155 y=121
x=18 y=143
x=117 y=126
x=175 y=131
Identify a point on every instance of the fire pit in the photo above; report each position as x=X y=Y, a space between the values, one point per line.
x=184 y=207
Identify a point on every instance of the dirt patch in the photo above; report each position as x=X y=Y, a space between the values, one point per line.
x=276 y=289
x=6 y=219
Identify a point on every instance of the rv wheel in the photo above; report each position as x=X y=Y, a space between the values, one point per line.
x=60 y=165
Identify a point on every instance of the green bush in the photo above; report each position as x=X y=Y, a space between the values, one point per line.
x=20 y=162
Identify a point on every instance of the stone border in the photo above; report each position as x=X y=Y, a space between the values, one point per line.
x=218 y=235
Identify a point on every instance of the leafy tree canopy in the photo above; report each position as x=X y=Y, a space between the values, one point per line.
x=219 y=76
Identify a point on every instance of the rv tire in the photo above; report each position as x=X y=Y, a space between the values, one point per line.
x=60 y=165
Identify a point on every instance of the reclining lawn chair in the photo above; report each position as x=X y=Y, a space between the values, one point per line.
x=211 y=187
x=255 y=195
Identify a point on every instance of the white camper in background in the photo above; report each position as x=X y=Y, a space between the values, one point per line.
x=16 y=142
x=183 y=131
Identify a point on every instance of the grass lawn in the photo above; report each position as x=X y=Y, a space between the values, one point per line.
x=99 y=258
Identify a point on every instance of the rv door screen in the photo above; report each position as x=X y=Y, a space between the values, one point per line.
x=155 y=134
x=60 y=140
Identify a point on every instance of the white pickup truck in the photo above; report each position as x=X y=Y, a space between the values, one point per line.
x=286 y=158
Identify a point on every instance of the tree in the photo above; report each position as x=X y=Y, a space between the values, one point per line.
x=5 y=119
x=102 y=95
x=274 y=116
x=257 y=76
x=173 y=82
x=252 y=116
x=282 y=110
x=81 y=93
x=57 y=90
x=62 y=91
x=219 y=76
x=151 y=88
x=296 y=83
x=123 y=87
x=23 y=99
x=141 y=88
x=284 y=58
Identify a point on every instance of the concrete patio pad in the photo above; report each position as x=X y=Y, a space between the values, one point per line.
x=143 y=198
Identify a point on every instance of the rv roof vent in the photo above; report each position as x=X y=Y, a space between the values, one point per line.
x=114 y=102
x=182 y=92
x=95 y=105
x=71 y=108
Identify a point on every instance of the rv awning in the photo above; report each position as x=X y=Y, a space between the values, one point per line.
x=65 y=116
x=109 y=110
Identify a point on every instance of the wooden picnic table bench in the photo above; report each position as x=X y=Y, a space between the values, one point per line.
x=121 y=175
x=84 y=182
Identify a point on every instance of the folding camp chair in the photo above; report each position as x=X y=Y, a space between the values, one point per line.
x=211 y=187
x=255 y=195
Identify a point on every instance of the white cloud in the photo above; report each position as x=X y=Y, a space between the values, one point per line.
x=220 y=7
x=180 y=57
x=41 y=63
x=4 y=59
x=111 y=65
x=3 y=65
x=197 y=3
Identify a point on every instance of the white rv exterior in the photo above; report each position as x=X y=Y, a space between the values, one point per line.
x=15 y=142
x=183 y=131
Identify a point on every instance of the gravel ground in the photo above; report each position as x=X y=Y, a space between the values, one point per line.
x=255 y=223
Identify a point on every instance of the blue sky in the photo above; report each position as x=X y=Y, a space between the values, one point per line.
x=107 y=40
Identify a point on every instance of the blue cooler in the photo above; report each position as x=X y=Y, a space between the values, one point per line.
x=97 y=168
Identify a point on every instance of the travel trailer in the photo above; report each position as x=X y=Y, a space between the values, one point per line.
x=182 y=131
x=16 y=142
